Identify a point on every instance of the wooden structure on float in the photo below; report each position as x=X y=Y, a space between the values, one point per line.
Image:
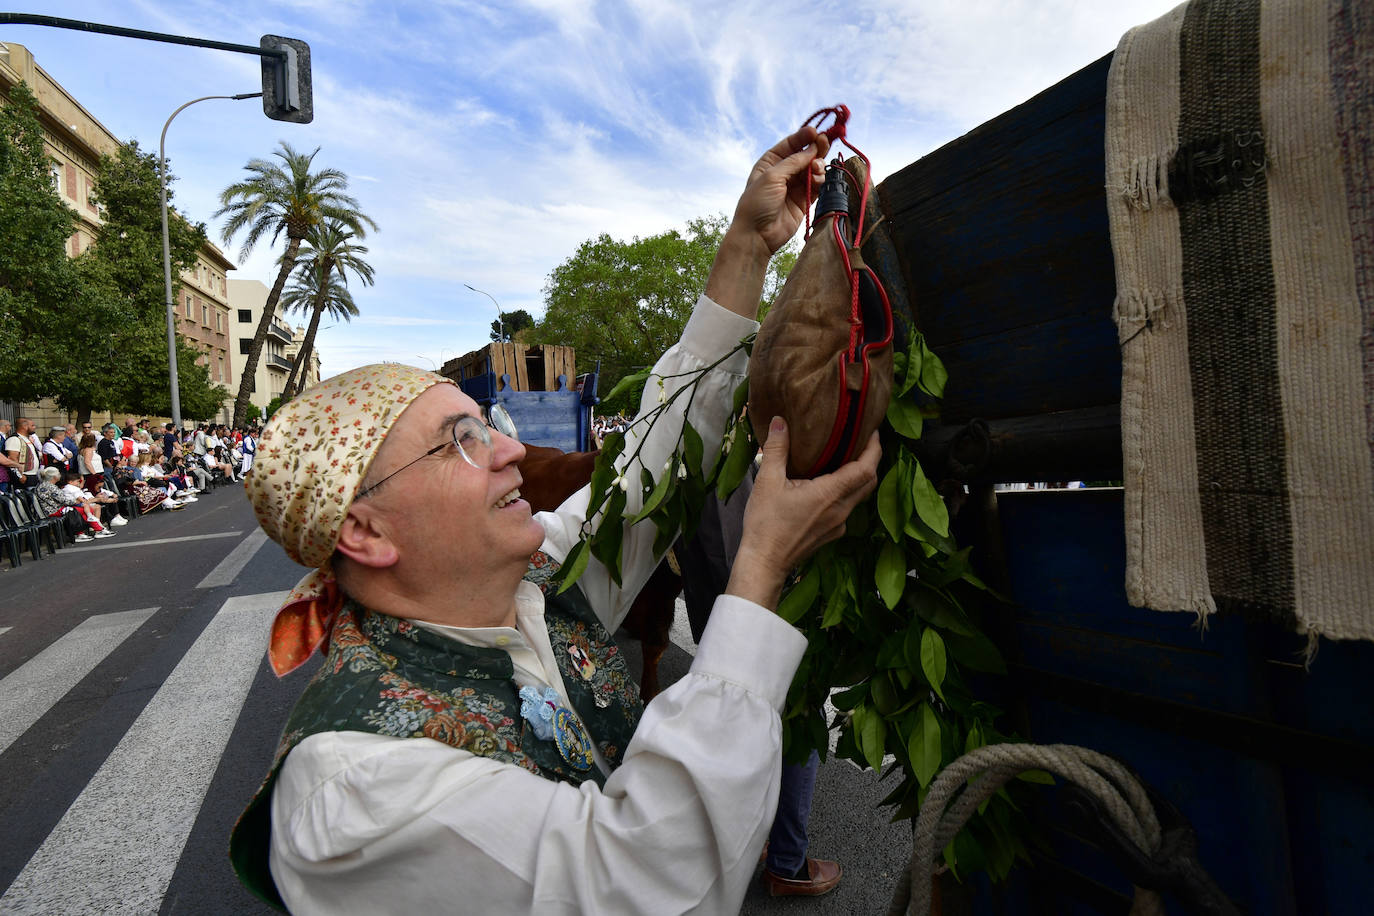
x=997 y=247
x=515 y=366
x=538 y=384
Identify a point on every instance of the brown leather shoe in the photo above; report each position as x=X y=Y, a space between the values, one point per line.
x=823 y=875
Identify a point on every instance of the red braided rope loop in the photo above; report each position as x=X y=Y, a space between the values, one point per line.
x=838 y=133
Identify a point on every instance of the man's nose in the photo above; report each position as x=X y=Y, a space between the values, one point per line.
x=506 y=449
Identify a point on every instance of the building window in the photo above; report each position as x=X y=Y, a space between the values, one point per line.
x=55 y=169
x=219 y=374
x=245 y=316
x=205 y=314
x=188 y=305
x=219 y=320
x=245 y=344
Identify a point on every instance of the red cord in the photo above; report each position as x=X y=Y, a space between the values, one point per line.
x=837 y=132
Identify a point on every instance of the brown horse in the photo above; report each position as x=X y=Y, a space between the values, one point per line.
x=550 y=477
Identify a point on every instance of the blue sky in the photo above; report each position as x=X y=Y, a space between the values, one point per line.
x=488 y=140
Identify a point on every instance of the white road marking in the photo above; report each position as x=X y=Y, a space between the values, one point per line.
x=115 y=849
x=229 y=568
x=4 y=630
x=106 y=545
x=30 y=690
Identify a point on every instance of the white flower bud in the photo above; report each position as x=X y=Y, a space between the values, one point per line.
x=682 y=472
x=622 y=483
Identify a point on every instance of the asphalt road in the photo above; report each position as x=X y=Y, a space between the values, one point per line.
x=137 y=716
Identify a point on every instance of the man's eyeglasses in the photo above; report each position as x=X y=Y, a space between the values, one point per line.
x=471 y=436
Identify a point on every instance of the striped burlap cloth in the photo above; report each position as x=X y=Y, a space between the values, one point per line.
x=1240 y=140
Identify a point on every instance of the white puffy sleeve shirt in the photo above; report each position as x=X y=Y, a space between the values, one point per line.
x=372 y=824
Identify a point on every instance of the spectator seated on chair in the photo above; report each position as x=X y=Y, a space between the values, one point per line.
x=54 y=502
x=72 y=495
x=150 y=465
x=149 y=498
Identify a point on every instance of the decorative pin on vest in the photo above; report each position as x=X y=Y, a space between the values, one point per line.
x=552 y=721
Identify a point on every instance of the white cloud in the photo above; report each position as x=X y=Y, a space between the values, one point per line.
x=490 y=139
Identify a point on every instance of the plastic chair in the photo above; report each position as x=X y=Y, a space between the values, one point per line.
x=9 y=519
x=54 y=530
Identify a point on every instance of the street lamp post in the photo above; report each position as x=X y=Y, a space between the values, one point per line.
x=500 y=319
x=167 y=249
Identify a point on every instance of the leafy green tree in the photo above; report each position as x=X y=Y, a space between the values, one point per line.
x=282 y=199
x=90 y=331
x=330 y=255
x=621 y=304
x=38 y=282
x=127 y=353
x=509 y=326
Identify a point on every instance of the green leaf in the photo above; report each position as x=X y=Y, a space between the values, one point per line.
x=933 y=660
x=668 y=521
x=892 y=506
x=936 y=608
x=801 y=596
x=871 y=732
x=905 y=418
x=610 y=533
x=736 y=463
x=835 y=603
x=884 y=697
x=574 y=565
x=627 y=383
x=658 y=494
x=974 y=739
x=924 y=746
x=912 y=366
x=693 y=452
x=890 y=573
x=933 y=373
x=741 y=397
x=976 y=652
x=603 y=472
x=846 y=700
x=927 y=502
x=1040 y=777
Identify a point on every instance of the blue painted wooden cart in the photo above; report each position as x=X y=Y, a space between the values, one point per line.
x=1001 y=239
x=551 y=405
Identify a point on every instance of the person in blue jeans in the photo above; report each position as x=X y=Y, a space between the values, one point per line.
x=705 y=562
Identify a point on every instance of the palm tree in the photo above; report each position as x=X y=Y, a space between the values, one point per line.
x=276 y=199
x=321 y=286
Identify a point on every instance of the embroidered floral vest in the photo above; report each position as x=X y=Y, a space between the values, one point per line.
x=386 y=676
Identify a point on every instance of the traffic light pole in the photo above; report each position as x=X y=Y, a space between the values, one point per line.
x=167 y=250
x=286 y=61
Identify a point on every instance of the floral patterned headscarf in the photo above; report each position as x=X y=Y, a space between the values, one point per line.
x=311 y=461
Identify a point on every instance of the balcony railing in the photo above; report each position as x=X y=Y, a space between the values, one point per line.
x=278 y=362
x=281 y=332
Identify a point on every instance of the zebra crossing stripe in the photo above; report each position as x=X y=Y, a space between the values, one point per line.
x=4 y=630
x=229 y=568
x=118 y=844
x=28 y=692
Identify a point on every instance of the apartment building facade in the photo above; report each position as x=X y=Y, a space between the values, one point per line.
x=75 y=140
x=247 y=298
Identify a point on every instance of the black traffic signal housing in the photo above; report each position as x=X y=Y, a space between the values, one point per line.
x=286 y=93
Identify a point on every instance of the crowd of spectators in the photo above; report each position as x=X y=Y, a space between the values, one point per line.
x=94 y=479
x=604 y=426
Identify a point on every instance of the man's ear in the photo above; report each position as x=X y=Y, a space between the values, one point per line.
x=363 y=538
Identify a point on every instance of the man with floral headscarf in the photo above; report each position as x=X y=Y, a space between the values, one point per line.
x=540 y=787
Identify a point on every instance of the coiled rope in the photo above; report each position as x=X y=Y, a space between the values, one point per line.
x=981 y=772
